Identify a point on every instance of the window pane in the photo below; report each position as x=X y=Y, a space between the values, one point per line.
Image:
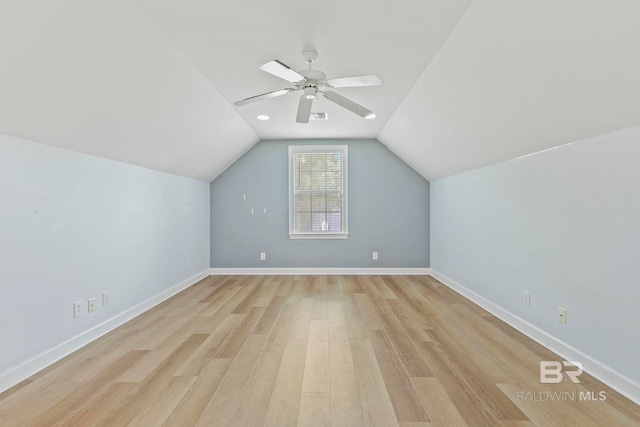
x=319 y=222
x=303 y=221
x=304 y=180
x=334 y=162
x=317 y=192
x=334 y=202
x=317 y=180
x=319 y=202
x=334 y=180
x=303 y=202
x=334 y=220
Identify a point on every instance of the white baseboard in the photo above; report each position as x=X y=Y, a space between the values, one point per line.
x=320 y=271
x=23 y=371
x=614 y=379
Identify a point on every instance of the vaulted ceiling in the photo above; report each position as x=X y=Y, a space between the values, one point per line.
x=466 y=83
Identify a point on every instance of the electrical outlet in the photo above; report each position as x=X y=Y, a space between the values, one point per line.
x=375 y=256
x=105 y=298
x=562 y=315
x=263 y=256
x=189 y=263
x=91 y=305
x=527 y=299
x=77 y=309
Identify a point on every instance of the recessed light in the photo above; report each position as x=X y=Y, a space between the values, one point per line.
x=262 y=117
x=370 y=116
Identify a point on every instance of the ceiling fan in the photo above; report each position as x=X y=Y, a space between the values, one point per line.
x=312 y=82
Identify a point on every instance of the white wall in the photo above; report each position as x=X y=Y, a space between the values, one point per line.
x=73 y=226
x=563 y=224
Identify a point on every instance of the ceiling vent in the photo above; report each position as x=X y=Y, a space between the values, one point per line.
x=318 y=116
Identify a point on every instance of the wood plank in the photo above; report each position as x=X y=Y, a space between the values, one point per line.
x=383 y=289
x=148 y=364
x=334 y=298
x=368 y=312
x=340 y=358
x=284 y=285
x=285 y=401
x=268 y=319
x=470 y=406
x=509 y=423
x=277 y=339
x=315 y=410
x=345 y=401
x=189 y=409
x=355 y=323
x=320 y=308
x=301 y=320
x=409 y=323
x=221 y=407
x=210 y=347
x=497 y=403
x=221 y=299
x=239 y=334
x=266 y=293
x=253 y=405
x=442 y=411
x=377 y=408
x=154 y=386
x=97 y=409
x=405 y=401
x=411 y=360
x=252 y=296
x=316 y=369
x=155 y=413
x=229 y=303
x=86 y=392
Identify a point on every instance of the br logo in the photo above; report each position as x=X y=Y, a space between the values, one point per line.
x=551 y=371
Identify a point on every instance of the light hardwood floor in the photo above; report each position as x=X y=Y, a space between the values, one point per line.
x=311 y=351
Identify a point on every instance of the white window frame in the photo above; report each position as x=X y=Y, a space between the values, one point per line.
x=344 y=234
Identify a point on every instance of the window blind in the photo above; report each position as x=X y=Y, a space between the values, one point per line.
x=318 y=181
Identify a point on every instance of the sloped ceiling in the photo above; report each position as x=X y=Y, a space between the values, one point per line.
x=517 y=77
x=467 y=84
x=101 y=77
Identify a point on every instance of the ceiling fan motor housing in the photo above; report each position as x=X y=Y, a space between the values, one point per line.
x=313 y=75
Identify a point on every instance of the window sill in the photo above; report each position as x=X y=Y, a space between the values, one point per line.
x=324 y=236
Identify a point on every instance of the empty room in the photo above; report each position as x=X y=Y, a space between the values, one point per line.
x=341 y=213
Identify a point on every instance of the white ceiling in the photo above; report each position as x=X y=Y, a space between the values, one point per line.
x=152 y=82
x=517 y=77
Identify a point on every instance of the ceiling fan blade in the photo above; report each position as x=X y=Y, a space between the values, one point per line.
x=264 y=96
x=304 y=110
x=349 y=105
x=372 y=80
x=281 y=70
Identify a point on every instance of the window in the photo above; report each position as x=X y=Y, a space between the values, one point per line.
x=318 y=192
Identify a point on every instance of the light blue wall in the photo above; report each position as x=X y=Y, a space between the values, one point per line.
x=388 y=212
x=562 y=224
x=73 y=226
